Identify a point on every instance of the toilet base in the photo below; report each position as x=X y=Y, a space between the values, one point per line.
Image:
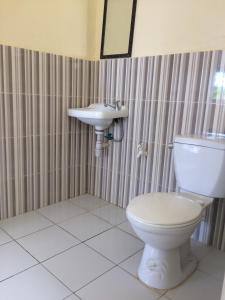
x=165 y=269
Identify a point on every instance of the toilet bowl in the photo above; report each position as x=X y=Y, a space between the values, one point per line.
x=166 y=221
x=167 y=259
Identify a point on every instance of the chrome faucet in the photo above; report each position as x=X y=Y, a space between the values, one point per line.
x=116 y=105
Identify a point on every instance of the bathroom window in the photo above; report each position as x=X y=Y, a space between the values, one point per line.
x=219 y=86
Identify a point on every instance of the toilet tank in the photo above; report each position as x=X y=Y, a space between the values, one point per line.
x=200 y=164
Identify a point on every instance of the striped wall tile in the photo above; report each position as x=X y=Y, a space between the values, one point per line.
x=165 y=95
x=41 y=161
x=46 y=157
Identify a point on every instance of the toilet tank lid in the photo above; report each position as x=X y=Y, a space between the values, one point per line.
x=209 y=140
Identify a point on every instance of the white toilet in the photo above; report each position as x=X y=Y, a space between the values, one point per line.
x=166 y=221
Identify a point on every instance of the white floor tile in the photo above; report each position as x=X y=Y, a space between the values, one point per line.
x=4 y=238
x=214 y=264
x=115 y=244
x=85 y=226
x=78 y=266
x=127 y=228
x=116 y=285
x=89 y=202
x=132 y=263
x=199 y=286
x=200 y=250
x=72 y=297
x=33 y=284
x=13 y=259
x=111 y=214
x=61 y=211
x=24 y=224
x=48 y=242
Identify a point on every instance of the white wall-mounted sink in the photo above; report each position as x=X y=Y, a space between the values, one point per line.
x=98 y=115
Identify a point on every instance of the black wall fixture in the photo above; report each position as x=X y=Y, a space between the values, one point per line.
x=118 y=28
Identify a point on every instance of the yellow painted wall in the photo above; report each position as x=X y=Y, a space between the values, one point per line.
x=95 y=17
x=73 y=27
x=164 y=26
x=57 y=26
x=173 y=26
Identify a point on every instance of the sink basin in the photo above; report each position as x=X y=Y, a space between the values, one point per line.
x=98 y=115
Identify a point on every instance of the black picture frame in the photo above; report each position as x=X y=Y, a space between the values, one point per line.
x=119 y=55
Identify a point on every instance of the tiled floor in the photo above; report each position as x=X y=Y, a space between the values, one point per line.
x=84 y=248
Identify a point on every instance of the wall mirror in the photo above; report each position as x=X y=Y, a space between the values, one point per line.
x=118 y=28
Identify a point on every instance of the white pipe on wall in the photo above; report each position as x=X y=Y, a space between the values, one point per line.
x=99 y=143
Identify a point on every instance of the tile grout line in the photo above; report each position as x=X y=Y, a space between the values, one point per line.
x=15 y=241
x=73 y=294
x=56 y=277
x=38 y=263
x=41 y=263
x=82 y=242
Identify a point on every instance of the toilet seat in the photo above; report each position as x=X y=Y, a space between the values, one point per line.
x=168 y=210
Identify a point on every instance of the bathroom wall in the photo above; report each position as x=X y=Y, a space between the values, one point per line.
x=166 y=95
x=74 y=27
x=57 y=26
x=179 y=26
x=164 y=27
x=40 y=157
x=46 y=157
